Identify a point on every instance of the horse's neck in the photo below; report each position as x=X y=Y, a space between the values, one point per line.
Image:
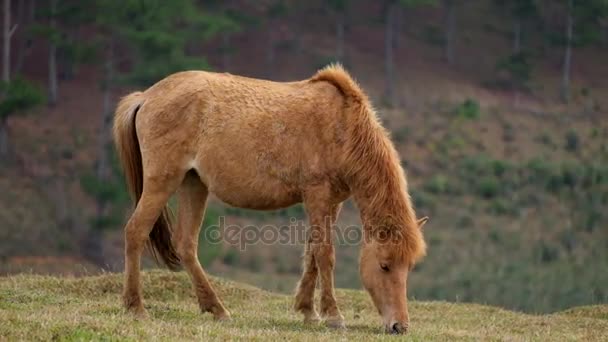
x=381 y=194
x=376 y=178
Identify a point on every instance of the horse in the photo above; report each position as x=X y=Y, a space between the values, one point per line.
x=266 y=145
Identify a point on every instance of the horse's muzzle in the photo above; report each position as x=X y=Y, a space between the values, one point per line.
x=397 y=328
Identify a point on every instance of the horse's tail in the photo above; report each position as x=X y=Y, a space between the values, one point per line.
x=129 y=154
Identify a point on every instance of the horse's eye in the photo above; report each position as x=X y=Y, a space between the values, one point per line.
x=384 y=267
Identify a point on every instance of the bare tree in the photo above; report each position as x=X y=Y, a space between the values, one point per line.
x=7 y=33
x=389 y=64
x=516 y=35
x=52 y=91
x=339 y=8
x=340 y=23
x=449 y=30
x=26 y=11
x=565 y=87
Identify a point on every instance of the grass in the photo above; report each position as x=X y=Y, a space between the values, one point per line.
x=36 y=307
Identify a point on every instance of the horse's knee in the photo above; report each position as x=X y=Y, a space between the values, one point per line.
x=324 y=255
x=186 y=252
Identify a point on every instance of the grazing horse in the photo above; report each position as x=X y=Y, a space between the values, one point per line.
x=266 y=145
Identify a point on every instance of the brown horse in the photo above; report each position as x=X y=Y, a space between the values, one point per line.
x=266 y=145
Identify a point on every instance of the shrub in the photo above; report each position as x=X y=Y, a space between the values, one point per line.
x=231 y=257
x=19 y=95
x=545 y=139
x=469 y=109
x=488 y=187
x=546 y=252
x=437 y=185
x=518 y=69
x=433 y=35
x=255 y=263
x=572 y=141
x=500 y=206
x=422 y=200
x=466 y=221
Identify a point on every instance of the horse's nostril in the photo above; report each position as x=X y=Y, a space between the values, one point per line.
x=399 y=328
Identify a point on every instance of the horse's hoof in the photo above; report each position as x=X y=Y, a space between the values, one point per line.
x=138 y=313
x=335 y=323
x=223 y=317
x=312 y=318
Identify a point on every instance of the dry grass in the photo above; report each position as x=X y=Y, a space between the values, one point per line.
x=67 y=309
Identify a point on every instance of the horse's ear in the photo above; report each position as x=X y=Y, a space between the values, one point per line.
x=422 y=221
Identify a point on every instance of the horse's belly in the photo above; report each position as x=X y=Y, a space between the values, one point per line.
x=245 y=187
x=253 y=197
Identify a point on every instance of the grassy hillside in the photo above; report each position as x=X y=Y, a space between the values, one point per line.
x=515 y=183
x=68 y=309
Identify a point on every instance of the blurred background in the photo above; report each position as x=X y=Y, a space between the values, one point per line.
x=499 y=110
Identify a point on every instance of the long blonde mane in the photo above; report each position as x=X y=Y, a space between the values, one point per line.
x=375 y=173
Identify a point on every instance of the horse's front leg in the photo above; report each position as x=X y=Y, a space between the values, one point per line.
x=319 y=259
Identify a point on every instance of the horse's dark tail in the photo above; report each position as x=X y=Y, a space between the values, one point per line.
x=127 y=145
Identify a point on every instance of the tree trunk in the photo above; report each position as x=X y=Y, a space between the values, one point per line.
x=103 y=161
x=6 y=33
x=92 y=247
x=340 y=37
x=389 y=66
x=450 y=23
x=270 y=54
x=52 y=100
x=398 y=18
x=93 y=241
x=25 y=41
x=226 y=53
x=516 y=36
x=4 y=142
x=565 y=88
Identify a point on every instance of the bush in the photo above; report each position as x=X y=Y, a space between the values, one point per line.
x=518 y=69
x=469 y=109
x=546 y=252
x=433 y=35
x=231 y=257
x=437 y=185
x=19 y=95
x=572 y=141
x=422 y=200
x=488 y=187
x=500 y=206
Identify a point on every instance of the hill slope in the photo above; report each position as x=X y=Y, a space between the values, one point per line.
x=45 y=308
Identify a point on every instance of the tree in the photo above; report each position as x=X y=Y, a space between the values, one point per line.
x=522 y=12
x=52 y=94
x=154 y=36
x=565 y=87
x=449 y=22
x=340 y=8
x=226 y=21
x=7 y=34
x=390 y=14
x=60 y=21
x=274 y=12
x=26 y=14
x=582 y=25
x=17 y=97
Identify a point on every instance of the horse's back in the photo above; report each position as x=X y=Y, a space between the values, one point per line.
x=254 y=143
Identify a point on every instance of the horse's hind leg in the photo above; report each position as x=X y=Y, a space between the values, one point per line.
x=192 y=198
x=154 y=196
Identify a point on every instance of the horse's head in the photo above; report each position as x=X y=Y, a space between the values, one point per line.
x=384 y=271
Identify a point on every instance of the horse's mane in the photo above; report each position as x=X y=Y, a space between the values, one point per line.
x=375 y=168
